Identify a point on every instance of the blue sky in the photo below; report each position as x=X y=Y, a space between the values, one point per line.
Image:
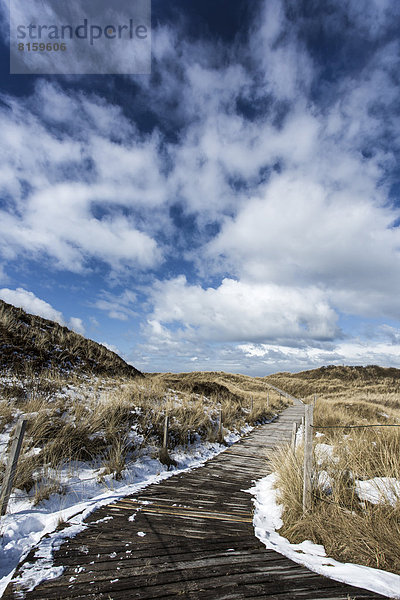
x=236 y=210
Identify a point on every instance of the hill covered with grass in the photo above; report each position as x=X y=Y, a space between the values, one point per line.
x=31 y=343
x=332 y=381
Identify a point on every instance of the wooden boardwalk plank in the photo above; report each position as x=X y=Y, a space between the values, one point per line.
x=199 y=540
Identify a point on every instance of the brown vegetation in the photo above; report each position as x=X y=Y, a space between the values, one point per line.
x=31 y=344
x=111 y=421
x=350 y=529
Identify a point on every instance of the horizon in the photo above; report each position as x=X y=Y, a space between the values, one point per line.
x=292 y=372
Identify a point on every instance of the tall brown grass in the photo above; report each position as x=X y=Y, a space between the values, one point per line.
x=350 y=529
x=31 y=343
x=111 y=421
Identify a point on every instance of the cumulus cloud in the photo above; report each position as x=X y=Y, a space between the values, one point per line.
x=32 y=304
x=77 y=325
x=274 y=357
x=77 y=196
x=240 y=311
x=59 y=221
x=301 y=232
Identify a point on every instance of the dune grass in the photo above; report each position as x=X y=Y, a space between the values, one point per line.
x=350 y=529
x=111 y=421
x=30 y=345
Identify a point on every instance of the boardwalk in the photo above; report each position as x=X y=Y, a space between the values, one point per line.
x=190 y=536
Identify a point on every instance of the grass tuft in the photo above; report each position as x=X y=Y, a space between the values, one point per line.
x=110 y=421
x=351 y=530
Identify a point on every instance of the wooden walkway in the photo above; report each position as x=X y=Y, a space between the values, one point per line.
x=190 y=536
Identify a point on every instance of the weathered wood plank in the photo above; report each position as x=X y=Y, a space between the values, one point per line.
x=205 y=583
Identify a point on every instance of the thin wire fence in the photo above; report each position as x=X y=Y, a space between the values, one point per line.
x=354 y=426
x=339 y=473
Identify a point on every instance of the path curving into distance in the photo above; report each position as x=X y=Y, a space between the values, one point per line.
x=199 y=540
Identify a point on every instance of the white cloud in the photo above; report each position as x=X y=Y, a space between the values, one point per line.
x=241 y=311
x=77 y=325
x=275 y=357
x=32 y=304
x=36 y=306
x=302 y=233
x=159 y=336
x=286 y=66
x=59 y=221
x=78 y=196
x=111 y=347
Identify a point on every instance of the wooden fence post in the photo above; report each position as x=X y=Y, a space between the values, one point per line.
x=315 y=399
x=164 y=456
x=166 y=424
x=308 y=454
x=9 y=474
x=268 y=399
x=294 y=432
x=251 y=405
x=220 y=426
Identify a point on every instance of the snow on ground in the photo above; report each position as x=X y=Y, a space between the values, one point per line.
x=323 y=452
x=299 y=435
x=4 y=439
x=267 y=521
x=379 y=490
x=324 y=482
x=25 y=525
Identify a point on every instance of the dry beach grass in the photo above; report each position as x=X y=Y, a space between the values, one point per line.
x=350 y=529
x=29 y=342
x=109 y=421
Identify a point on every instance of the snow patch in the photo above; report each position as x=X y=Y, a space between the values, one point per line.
x=25 y=525
x=379 y=490
x=268 y=520
x=323 y=452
